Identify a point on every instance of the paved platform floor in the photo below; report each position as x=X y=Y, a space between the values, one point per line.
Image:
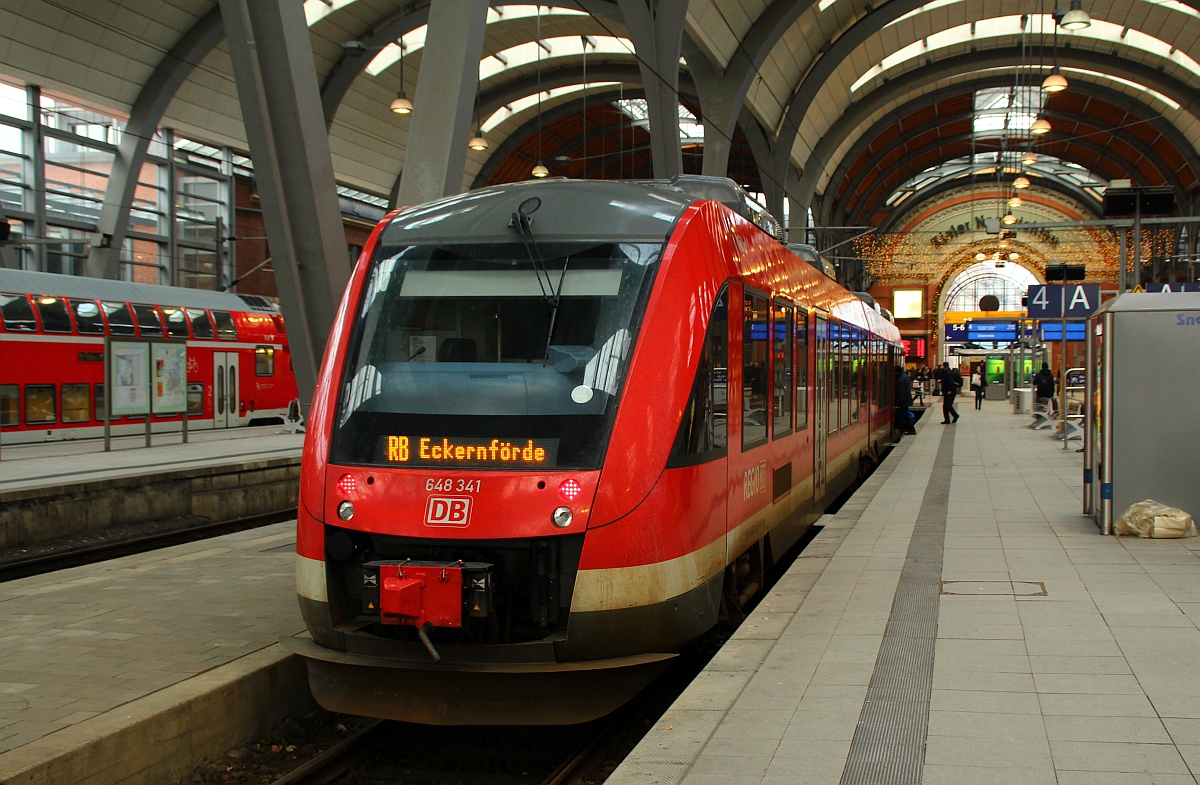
x=958 y=622
x=71 y=462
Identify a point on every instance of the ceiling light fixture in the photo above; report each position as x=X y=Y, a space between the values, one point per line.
x=1040 y=126
x=1009 y=219
x=979 y=257
x=401 y=104
x=540 y=169
x=1055 y=82
x=1021 y=182
x=1014 y=202
x=1076 y=18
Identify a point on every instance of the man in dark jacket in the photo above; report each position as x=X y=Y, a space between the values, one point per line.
x=1045 y=385
x=952 y=382
x=904 y=400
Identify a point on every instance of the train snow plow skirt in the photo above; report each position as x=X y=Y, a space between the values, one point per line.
x=473 y=694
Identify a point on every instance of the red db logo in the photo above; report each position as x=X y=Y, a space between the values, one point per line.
x=448 y=511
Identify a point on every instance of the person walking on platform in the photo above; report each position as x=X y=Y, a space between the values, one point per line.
x=1045 y=386
x=939 y=379
x=977 y=386
x=952 y=382
x=904 y=399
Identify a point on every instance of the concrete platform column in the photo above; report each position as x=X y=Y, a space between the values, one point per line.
x=269 y=44
x=436 y=157
x=656 y=29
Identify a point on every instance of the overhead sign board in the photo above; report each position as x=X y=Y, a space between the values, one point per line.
x=1189 y=286
x=956 y=333
x=991 y=331
x=1046 y=301
x=1051 y=332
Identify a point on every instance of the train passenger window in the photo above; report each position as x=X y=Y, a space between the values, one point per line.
x=177 y=323
x=87 y=317
x=76 y=402
x=10 y=404
x=149 y=322
x=40 y=404
x=54 y=314
x=120 y=320
x=703 y=433
x=226 y=330
x=856 y=371
x=202 y=326
x=195 y=399
x=801 y=374
x=100 y=402
x=264 y=360
x=755 y=360
x=17 y=313
x=781 y=354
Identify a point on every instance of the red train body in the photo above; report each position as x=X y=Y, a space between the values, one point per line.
x=724 y=393
x=52 y=333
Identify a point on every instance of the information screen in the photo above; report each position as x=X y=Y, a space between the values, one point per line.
x=991 y=331
x=1052 y=331
x=467 y=451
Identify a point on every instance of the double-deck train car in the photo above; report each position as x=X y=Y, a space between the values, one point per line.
x=561 y=429
x=52 y=334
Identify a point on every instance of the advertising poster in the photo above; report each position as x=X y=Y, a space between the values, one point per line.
x=130 y=378
x=169 y=382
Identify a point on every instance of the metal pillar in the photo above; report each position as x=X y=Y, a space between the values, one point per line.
x=269 y=44
x=1123 y=259
x=656 y=29
x=37 y=161
x=436 y=154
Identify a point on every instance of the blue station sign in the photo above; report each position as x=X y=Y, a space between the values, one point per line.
x=1046 y=301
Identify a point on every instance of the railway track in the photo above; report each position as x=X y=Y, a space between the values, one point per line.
x=149 y=538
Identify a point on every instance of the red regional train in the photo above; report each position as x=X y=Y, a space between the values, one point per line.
x=561 y=428
x=52 y=333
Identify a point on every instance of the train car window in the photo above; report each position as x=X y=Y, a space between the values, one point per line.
x=195 y=399
x=202 y=326
x=226 y=329
x=177 y=322
x=149 y=322
x=17 y=313
x=472 y=342
x=101 y=402
x=54 y=314
x=120 y=320
x=264 y=361
x=755 y=365
x=703 y=433
x=10 y=404
x=781 y=358
x=801 y=374
x=76 y=403
x=835 y=376
x=41 y=406
x=87 y=317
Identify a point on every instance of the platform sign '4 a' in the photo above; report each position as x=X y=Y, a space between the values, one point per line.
x=1046 y=301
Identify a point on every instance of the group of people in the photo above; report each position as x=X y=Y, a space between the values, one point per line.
x=947 y=382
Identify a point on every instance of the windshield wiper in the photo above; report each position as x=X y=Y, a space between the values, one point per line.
x=551 y=295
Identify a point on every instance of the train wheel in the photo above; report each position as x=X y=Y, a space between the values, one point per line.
x=744 y=578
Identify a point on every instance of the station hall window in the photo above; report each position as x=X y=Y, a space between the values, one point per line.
x=87 y=317
x=148 y=320
x=755 y=365
x=17 y=313
x=120 y=320
x=703 y=433
x=54 y=314
x=264 y=360
x=10 y=405
x=801 y=374
x=781 y=359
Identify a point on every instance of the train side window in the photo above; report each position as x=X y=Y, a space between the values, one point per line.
x=703 y=433
x=195 y=399
x=101 y=403
x=801 y=375
x=17 y=313
x=87 y=317
x=226 y=330
x=10 y=404
x=264 y=360
x=202 y=326
x=40 y=404
x=177 y=323
x=856 y=372
x=755 y=360
x=76 y=402
x=781 y=357
x=120 y=320
x=54 y=314
x=149 y=322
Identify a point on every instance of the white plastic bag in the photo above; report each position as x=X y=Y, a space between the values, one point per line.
x=1153 y=519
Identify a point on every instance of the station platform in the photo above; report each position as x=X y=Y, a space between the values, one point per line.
x=958 y=621
x=133 y=670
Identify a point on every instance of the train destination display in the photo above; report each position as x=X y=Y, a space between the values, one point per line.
x=462 y=451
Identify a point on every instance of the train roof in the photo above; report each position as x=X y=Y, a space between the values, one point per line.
x=559 y=210
x=1153 y=301
x=124 y=291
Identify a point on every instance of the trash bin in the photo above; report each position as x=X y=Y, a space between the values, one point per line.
x=1024 y=400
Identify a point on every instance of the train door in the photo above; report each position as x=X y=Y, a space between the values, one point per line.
x=226 y=398
x=819 y=408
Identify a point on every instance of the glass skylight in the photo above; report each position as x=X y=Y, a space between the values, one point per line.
x=565 y=46
x=1173 y=5
x=521 y=104
x=1000 y=26
x=985 y=164
x=691 y=130
x=1002 y=111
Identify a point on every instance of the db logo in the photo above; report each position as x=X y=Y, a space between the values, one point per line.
x=448 y=511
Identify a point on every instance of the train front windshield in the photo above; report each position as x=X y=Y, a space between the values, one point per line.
x=491 y=355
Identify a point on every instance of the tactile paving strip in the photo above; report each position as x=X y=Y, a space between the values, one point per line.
x=889 y=743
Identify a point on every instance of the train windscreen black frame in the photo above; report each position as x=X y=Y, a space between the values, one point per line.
x=491 y=343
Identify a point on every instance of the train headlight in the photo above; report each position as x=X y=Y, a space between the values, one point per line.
x=562 y=517
x=346 y=511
